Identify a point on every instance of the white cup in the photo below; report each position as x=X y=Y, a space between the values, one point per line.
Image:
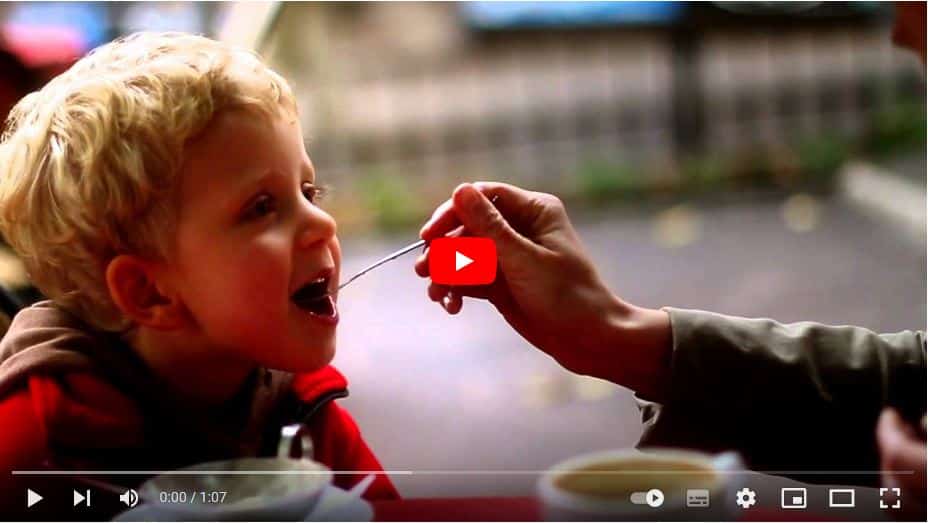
x=197 y=493
x=628 y=484
x=285 y=488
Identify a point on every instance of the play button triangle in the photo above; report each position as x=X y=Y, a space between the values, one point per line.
x=32 y=497
x=461 y=261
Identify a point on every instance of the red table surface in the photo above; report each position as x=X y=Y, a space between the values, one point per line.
x=521 y=509
x=458 y=509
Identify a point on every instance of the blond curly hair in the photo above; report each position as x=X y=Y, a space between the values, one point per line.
x=89 y=164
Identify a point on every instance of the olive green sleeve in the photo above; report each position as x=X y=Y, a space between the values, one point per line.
x=802 y=396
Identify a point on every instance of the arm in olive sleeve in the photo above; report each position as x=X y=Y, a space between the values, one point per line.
x=802 y=396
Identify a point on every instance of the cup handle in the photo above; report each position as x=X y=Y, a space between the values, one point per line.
x=295 y=442
x=728 y=462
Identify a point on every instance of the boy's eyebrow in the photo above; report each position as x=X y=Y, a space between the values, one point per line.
x=256 y=178
x=252 y=181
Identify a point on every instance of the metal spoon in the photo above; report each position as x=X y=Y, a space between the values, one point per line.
x=328 y=510
x=384 y=260
x=392 y=256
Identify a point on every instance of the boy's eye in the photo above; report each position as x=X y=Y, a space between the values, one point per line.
x=312 y=193
x=261 y=207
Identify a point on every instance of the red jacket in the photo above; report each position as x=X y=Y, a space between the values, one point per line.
x=82 y=414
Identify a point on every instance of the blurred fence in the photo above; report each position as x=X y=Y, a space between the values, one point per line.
x=536 y=111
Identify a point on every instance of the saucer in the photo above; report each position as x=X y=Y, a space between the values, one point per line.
x=335 y=504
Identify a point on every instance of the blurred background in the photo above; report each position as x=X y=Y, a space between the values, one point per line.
x=756 y=159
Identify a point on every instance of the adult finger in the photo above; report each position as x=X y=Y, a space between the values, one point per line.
x=421 y=265
x=900 y=448
x=437 y=292
x=479 y=216
x=517 y=205
x=442 y=220
x=453 y=302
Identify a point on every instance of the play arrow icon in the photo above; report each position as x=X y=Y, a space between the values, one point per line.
x=80 y=498
x=461 y=261
x=32 y=497
x=654 y=498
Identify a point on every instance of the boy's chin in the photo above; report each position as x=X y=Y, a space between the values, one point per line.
x=312 y=358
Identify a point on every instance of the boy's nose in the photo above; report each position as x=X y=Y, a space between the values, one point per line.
x=316 y=226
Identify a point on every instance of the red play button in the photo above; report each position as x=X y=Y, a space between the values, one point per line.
x=462 y=261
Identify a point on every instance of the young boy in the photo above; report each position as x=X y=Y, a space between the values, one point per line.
x=161 y=196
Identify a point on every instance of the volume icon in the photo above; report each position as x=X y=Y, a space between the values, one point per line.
x=130 y=498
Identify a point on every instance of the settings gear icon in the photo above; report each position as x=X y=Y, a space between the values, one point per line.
x=746 y=498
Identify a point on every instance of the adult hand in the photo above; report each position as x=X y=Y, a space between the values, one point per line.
x=902 y=460
x=547 y=288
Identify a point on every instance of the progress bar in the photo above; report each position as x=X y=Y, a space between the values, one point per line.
x=445 y=472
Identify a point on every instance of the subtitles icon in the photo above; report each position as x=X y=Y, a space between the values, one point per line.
x=697 y=497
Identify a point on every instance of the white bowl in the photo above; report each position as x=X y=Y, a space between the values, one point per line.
x=255 y=489
x=559 y=504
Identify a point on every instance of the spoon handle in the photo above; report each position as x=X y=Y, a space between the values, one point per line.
x=384 y=260
x=361 y=487
x=392 y=256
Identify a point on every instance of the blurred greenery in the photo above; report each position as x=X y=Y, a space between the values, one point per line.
x=821 y=158
x=898 y=128
x=806 y=163
x=704 y=173
x=600 y=181
x=810 y=162
x=392 y=203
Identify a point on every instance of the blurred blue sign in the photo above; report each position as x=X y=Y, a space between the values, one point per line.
x=506 y=15
x=89 y=21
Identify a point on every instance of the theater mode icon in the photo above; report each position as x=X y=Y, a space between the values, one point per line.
x=841 y=498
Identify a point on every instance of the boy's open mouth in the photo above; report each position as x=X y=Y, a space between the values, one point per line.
x=314 y=297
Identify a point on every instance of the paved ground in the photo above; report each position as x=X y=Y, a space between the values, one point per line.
x=439 y=393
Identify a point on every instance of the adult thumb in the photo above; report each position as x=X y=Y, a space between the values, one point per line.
x=478 y=215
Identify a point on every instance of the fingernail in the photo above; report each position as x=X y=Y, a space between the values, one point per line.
x=469 y=196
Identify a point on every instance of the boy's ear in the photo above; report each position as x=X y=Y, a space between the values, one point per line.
x=135 y=288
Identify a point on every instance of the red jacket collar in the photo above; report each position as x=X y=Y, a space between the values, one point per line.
x=311 y=387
